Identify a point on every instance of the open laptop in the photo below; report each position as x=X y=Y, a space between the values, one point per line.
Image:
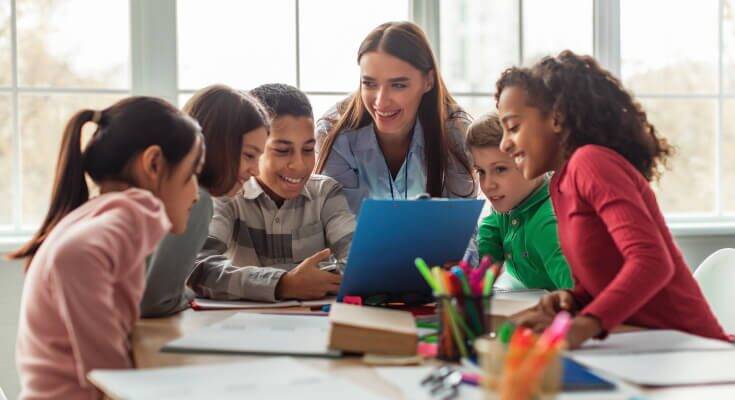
x=390 y=235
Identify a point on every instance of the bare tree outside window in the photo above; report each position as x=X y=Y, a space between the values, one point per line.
x=70 y=55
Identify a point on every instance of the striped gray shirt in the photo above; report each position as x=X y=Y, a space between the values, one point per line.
x=252 y=242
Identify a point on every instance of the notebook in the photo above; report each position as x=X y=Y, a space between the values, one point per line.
x=265 y=334
x=577 y=378
x=390 y=234
x=208 y=304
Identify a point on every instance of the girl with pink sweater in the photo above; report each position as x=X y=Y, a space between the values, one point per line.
x=86 y=264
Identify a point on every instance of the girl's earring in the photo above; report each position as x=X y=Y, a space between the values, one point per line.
x=557 y=124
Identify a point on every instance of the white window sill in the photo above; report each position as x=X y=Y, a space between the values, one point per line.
x=690 y=229
x=9 y=241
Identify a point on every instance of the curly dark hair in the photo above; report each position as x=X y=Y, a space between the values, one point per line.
x=594 y=109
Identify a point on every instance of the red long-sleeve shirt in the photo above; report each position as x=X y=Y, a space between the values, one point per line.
x=625 y=264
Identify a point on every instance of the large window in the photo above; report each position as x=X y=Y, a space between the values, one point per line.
x=481 y=38
x=680 y=69
x=311 y=44
x=678 y=73
x=57 y=56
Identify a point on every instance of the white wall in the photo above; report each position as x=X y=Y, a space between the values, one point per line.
x=11 y=283
x=695 y=249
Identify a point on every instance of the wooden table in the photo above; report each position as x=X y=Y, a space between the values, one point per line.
x=150 y=335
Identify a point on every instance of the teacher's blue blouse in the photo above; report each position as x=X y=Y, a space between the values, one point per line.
x=357 y=162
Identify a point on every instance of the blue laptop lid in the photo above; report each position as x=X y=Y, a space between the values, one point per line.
x=390 y=234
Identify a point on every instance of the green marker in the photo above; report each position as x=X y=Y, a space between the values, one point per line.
x=424 y=270
x=487 y=286
x=438 y=285
x=506 y=331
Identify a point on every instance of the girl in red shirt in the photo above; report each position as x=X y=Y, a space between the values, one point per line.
x=568 y=115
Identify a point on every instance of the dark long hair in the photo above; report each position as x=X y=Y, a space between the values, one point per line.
x=123 y=131
x=406 y=41
x=225 y=115
x=594 y=106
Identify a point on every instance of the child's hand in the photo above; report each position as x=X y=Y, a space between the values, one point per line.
x=557 y=301
x=533 y=319
x=583 y=328
x=307 y=281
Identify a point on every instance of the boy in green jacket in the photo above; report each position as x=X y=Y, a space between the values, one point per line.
x=521 y=231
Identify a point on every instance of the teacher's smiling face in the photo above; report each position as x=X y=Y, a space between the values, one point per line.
x=391 y=90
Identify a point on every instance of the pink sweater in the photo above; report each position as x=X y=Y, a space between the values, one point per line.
x=82 y=294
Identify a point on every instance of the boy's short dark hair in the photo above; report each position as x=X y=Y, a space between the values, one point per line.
x=485 y=131
x=280 y=100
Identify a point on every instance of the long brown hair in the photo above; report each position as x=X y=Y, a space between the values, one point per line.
x=594 y=106
x=225 y=115
x=406 y=41
x=123 y=131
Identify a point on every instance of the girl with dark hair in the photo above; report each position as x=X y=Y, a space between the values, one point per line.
x=401 y=134
x=568 y=115
x=235 y=128
x=86 y=264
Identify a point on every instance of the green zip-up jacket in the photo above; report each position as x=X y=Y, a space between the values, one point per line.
x=525 y=238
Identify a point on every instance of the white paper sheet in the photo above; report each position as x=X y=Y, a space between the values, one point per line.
x=666 y=369
x=652 y=341
x=250 y=333
x=273 y=378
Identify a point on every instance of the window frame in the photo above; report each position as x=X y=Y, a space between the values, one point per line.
x=154 y=71
x=16 y=231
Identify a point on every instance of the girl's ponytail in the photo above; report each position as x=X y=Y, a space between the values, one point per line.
x=70 y=187
x=124 y=130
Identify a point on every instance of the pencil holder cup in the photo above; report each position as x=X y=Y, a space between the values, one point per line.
x=461 y=321
x=498 y=384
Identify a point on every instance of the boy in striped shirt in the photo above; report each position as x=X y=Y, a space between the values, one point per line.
x=268 y=242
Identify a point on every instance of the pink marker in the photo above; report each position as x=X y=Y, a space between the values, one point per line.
x=557 y=330
x=484 y=264
x=478 y=274
x=465 y=264
x=471 y=378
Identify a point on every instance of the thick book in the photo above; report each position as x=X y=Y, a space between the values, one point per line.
x=363 y=329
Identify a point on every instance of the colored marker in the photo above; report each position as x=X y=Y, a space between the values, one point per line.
x=438 y=281
x=505 y=332
x=490 y=277
x=484 y=263
x=469 y=304
x=424 y=270
x=465 y=264
x=556 y=331
x=520 y=344
x=459 y=273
